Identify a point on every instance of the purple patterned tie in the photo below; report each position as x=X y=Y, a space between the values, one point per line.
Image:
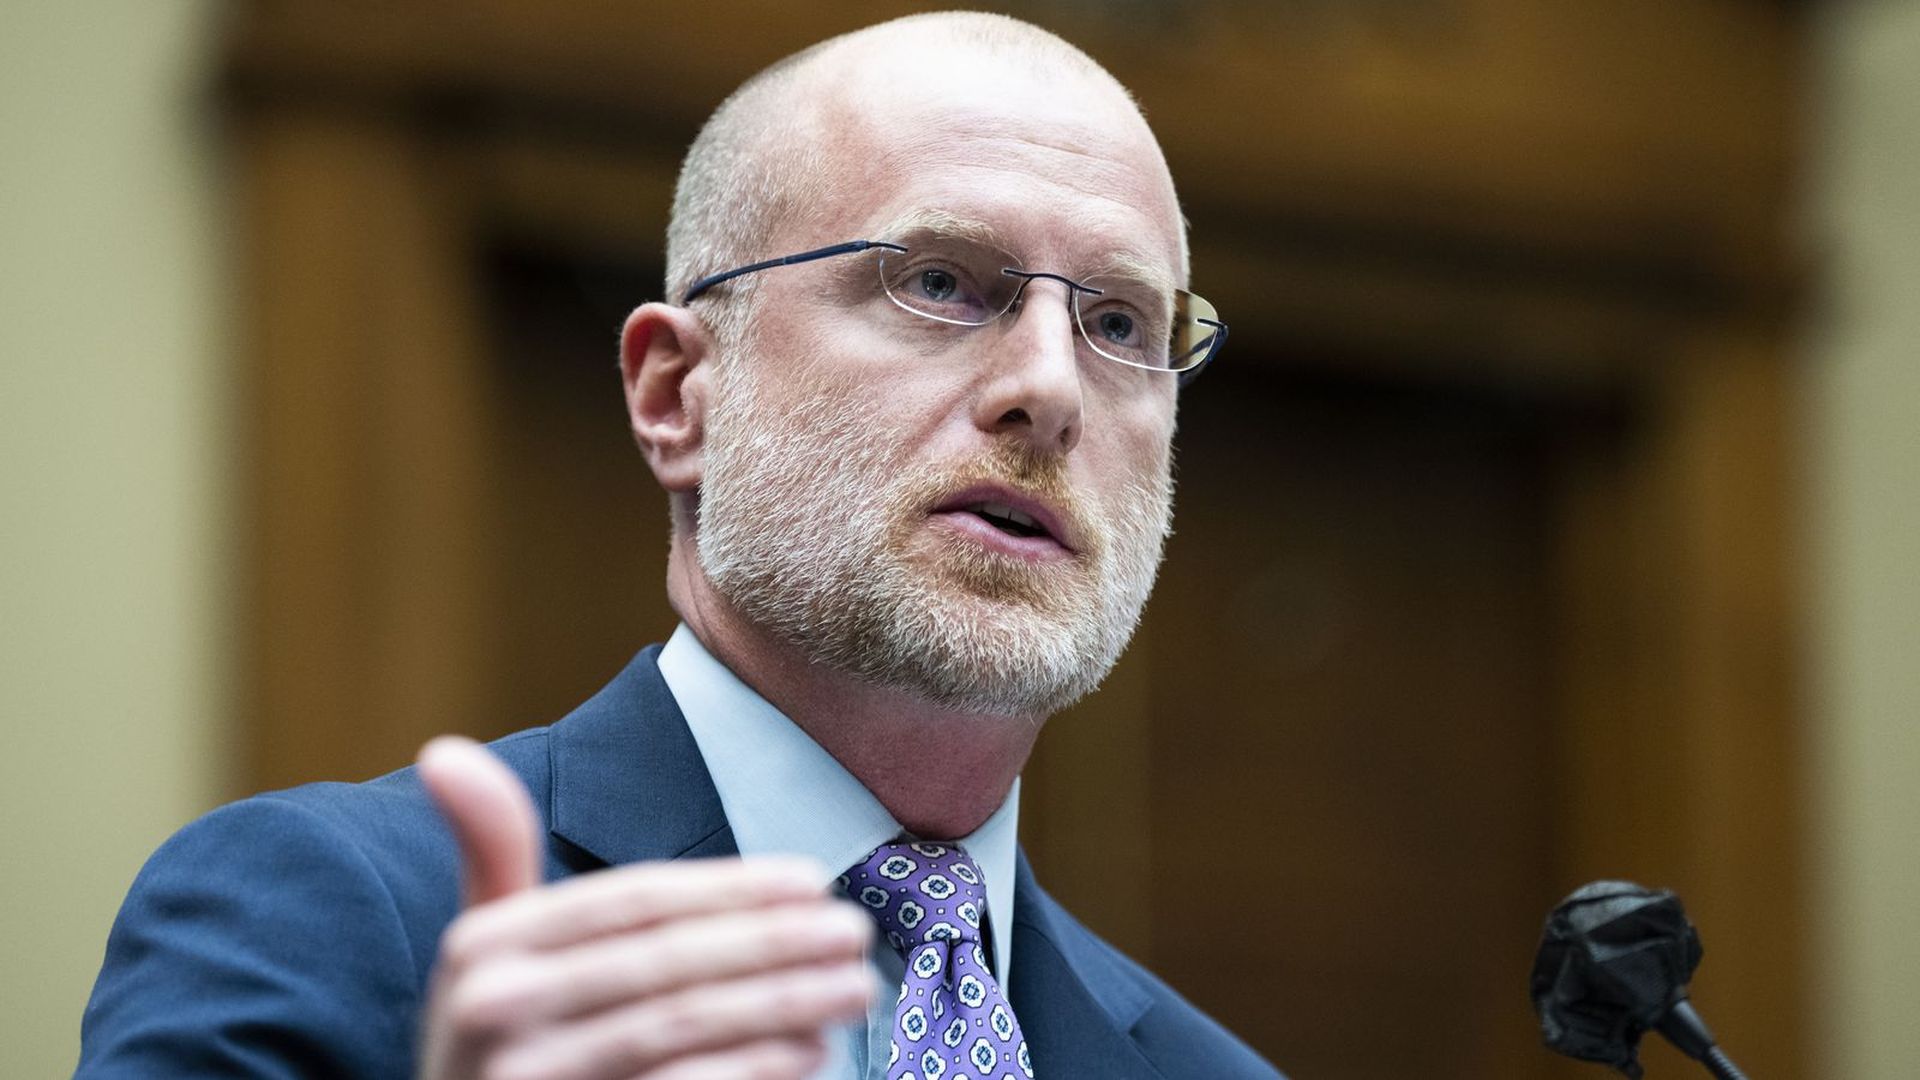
x=951 y=1022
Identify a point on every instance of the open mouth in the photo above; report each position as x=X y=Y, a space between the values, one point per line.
x=1007 y=519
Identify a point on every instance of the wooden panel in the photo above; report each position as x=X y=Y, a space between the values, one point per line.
x=434 y=549
x=1679 y=679
x=1432 y=659
x=1638 y=125
x=1746 y=829
x=579 y=582
x=368 y=536
x=1086 y=818
x=1351 y=786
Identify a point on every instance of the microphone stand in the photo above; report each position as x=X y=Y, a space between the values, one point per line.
x=1614 y=962
x=1683 y=1028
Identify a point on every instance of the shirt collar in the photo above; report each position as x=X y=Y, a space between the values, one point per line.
x=784 y=794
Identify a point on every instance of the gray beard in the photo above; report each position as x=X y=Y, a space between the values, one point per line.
x=805 y=521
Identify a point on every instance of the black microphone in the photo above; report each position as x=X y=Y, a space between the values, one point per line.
x=1614 y=961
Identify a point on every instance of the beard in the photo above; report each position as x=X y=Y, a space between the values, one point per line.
x=812 y=524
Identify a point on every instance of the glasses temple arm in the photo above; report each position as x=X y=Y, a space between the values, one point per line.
x=827 y=252
x=1211 y=344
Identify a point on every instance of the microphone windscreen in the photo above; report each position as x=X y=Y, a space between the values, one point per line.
x=1614 y=958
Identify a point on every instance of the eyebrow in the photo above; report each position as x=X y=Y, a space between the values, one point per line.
x=943 y=224
x=1128 y=265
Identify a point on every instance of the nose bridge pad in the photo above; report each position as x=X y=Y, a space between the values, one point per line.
x=1074 y=289
x=1019 y=290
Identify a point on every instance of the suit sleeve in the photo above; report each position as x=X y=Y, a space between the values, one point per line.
x=259 y=941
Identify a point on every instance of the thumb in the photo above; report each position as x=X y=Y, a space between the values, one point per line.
x=491 y=815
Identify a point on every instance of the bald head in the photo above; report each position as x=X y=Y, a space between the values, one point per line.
x=835 y=435
x=779 y=160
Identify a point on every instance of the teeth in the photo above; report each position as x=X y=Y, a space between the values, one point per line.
x=1002 y=510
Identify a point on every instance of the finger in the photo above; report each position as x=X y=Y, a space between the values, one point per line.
x=529 y=988
x=491 y=815
x=771 y=1059
x=794 y=1003
x=634 y=897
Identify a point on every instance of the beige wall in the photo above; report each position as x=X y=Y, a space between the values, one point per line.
x=1866 y=528
x=112 y=478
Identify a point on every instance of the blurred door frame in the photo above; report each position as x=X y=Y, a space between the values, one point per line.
x=1472 y=193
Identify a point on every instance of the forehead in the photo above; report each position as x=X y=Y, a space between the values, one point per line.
x=1061 y=166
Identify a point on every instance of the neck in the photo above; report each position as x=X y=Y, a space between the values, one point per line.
x=884 y=737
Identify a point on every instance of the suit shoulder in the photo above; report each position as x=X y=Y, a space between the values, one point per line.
x=392 y=823
x=367 y=805
x=1173 y=1033
x=258 y=921
x=1174 y=1025
x=306 y=918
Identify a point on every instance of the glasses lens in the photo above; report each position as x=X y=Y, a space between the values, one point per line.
x=1129 y=320
x=1197 y=332
x=962 y=282
x=1136 y=324
x=954 y=281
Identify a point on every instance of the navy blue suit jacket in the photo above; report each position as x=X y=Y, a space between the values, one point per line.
x=292 y=934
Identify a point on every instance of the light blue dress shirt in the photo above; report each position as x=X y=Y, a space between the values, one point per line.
x=784 y=794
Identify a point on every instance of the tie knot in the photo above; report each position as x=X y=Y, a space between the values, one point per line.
x=920 y=892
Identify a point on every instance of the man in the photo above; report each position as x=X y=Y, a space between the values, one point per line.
x=913 y=415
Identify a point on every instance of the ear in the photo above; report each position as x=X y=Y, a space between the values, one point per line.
x=662 y=349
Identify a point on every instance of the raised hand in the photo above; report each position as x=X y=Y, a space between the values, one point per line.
x=683 y=970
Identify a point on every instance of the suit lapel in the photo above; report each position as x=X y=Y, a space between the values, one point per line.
x=1075 y=1004
x=629 y=784
x=628 y=780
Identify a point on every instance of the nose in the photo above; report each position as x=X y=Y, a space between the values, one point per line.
x=1031 y=390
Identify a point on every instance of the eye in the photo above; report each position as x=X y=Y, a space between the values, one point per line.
x=1119 y=323
x=1117 y=327
x=937 y=285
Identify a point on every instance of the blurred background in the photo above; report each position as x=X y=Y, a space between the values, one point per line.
x=1550 y=517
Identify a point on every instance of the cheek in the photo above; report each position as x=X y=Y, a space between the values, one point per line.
x=889 y=380
x=1140 y=422
x=1131 y=449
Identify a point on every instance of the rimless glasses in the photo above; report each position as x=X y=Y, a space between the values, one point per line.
x=966 y=283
